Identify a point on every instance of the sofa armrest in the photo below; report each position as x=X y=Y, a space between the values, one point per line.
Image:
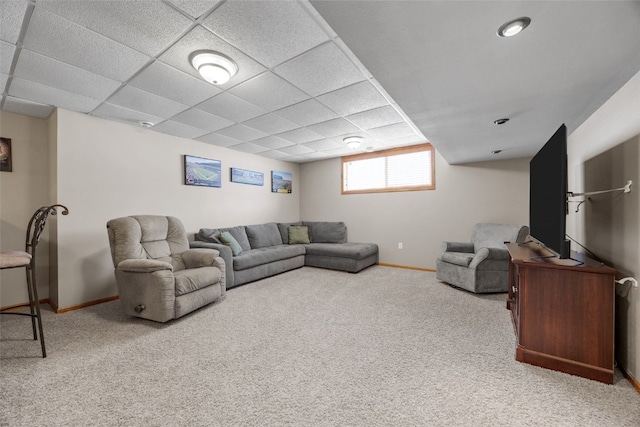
x=143 y=265
x=456 y=247
x=200 y=257
x=490 y=255
x=224 y=252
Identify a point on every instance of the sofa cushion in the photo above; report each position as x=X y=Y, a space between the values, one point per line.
x=196 y=278
x=239 y=233
x=327 y=232
x=458 y=258
x=494 y=235
x=283 y=227
x=263 y=235
x=298 y=234
x=255 y=257
x=350 y=250
x=230 y=241
x=210 y=235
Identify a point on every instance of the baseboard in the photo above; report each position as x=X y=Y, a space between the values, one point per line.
x=408 y=267
x=23 y=305
x=634 y=382
x=83 y=305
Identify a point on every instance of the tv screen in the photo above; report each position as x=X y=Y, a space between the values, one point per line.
x=548 y=194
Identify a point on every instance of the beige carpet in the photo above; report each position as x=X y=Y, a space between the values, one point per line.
x=311 y=347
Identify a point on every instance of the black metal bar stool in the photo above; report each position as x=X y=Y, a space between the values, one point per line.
x=27 y=259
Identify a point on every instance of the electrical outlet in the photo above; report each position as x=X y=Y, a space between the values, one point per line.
x=400 y=245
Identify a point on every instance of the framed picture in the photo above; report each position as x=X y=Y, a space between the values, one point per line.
x=244 y=176
x=5 y=155
x=280 y=182
x=202 y=172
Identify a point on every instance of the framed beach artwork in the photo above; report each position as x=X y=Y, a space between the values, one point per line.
x=244 y=176
x=281 y=182
x=202 y=172
x=5 y=155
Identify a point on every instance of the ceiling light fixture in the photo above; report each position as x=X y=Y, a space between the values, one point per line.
x=500 y=121
x=214 y=67
x=353 y=142
x=514 y=27
x=145 y=124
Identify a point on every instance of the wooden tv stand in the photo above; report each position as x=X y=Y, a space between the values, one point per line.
x=562 y=311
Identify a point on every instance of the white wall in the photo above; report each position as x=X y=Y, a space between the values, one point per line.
x=22 y=192
x=604 y=153
x=495 y=191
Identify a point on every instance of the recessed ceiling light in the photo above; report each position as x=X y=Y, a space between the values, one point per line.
x=514 y=27
x=353 y=142
x=214 y=67
x=500 y=121
x=496 y=152
x=145 y=124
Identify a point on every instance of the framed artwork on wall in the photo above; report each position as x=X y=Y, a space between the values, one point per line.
x=244 y=176
x=5 y=155
x=281 y=182
x=202 y=172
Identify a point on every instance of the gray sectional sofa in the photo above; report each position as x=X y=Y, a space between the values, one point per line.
x=262 y=250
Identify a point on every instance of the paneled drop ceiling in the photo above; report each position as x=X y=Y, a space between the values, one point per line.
x=299 y=90
x=311 y=73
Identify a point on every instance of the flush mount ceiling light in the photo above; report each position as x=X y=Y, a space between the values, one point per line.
x=353 y=142
x=214 y=67
x=513 y=27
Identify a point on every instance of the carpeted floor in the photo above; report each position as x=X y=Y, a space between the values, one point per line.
x=311 y=347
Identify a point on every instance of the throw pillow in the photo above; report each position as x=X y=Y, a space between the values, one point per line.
x=298 y=234
x=229 y=240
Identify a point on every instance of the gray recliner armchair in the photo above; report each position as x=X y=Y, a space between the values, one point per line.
x=159 y=278
x=482 y=265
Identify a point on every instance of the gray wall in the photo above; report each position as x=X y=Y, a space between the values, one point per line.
x=465 y=195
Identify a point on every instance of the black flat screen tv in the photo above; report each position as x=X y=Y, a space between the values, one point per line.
x=548 y=195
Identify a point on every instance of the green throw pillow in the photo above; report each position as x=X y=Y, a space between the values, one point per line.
x=228 y=240
x=298 y=234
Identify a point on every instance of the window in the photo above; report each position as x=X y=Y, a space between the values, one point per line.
x=399 y=169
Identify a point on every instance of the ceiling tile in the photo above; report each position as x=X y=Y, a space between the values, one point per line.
x=404 y=140
x=202 y=120
x=272 y=142
x=269 y=92
x=300 y=136
x=248 y=147
x=43 y=94
x=195 y=8
x=307 y=112
x=11 y=18
x=375 y=118
x=27 y=108
x=321 y=70
x=67 y=42
x=392 y=131
x=42 y=69
x=271 y=123
x=147 y=26
x=323 y=145
x=199 y=38
x=184 y=88
x=274 y=154
x=179 y=129
x=353 y=99
x=6 y=56
x=219 y=140
x=145 y=102
x=3 y=81
x=295 y=150
x=231 y=107
x=270 y=32
x=121 y=114
x=334 y=127
x=241 y=132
